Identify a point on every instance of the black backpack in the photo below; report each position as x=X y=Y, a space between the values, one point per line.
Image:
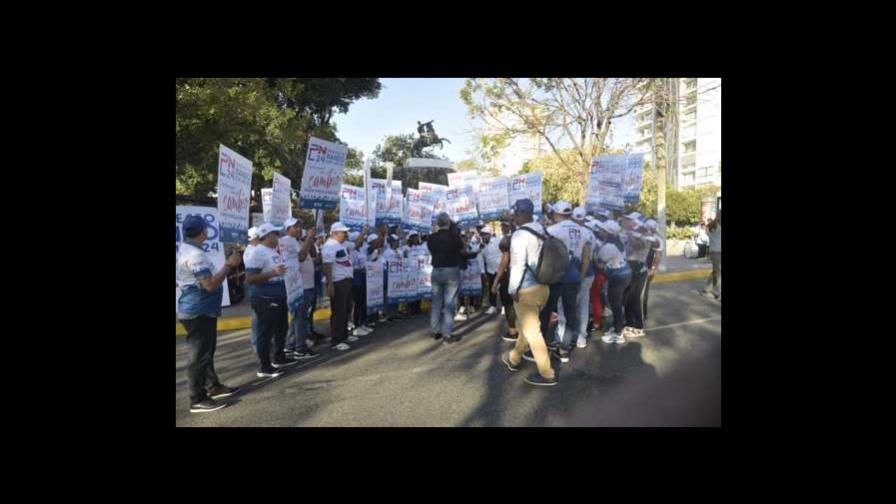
x=553 y=260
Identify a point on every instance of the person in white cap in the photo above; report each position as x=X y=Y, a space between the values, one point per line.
x=253 y=242
x=567 y=289
x=637 y=247
x=654 y=256
x=611 y=260
x=491 y=259
x=339 y=271
x=359 y=286
x=296 y=337
x=307 y=255
x=265 y=269
x=583 y=298
x=392 y=260
x=714 y=282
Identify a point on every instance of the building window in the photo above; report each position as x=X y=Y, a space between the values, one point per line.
x=690 y=147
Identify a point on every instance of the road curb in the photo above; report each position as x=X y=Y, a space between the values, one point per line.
x=234 y=323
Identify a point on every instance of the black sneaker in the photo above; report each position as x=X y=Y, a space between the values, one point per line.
x=506 y=360
x=510 y=337
x=307 y=354
x=207 y=405
x=537 y=379
x=289 y=361
x=437 y=336
x=272 y=373
x=528 y=356
x=221 y=391
x=561 y=354
x=452 y=339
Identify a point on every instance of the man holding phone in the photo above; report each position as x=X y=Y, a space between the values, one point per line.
x=265 y=270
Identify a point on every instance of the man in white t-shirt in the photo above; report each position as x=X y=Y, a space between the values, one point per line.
x=339 y=271
x=490 y=260
x=574 y=237
x=267 y=291
x=296 y=338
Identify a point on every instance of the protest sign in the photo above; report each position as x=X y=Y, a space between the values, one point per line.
x=289 y=252
x=352 y=207
x=471 y=279
x=528 y=185
x=424 y=276
x=401 y=285
x=267 y=200
x=234 y=188
x=374 y=285
x=280 y=205
x=322 y=178
x=493 y=197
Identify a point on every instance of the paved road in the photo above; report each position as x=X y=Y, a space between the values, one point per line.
x=399 y=376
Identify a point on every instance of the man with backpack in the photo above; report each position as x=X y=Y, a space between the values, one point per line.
x=528 y=269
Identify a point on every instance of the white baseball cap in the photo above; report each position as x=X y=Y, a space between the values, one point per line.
x=562 y=207
x=253 y=233
x=413 y=233
x=353 y=235
x=292 y=221
x=487 y=229
x=371 y=237
x=338 y=226
x=578 y=213
x=268 y=228
x=635 y=216
x=651 y=224
x=609 y=226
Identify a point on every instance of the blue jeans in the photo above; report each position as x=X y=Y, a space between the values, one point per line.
x=568 y=292
x=298 y=328
x=584 y=300
x=445 y=283
x=253 y=340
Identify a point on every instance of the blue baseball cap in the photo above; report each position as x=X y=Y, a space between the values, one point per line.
x=524 y=206
x=194 y=224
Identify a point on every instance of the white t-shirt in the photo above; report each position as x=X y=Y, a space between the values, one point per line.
x=572 y=235
x=338 y=255
x=492 y=256
x=263 y=260
x=306 y=267
x=610 y=255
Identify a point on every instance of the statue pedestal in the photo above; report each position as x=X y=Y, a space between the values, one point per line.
x=428 y=163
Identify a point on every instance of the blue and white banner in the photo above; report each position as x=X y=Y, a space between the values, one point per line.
x=374 y=285
x=435 y=195
x=402 y=286
x=471 y=279
x=234 y=188
x=493 y=197
x=322 y=178
x=615 y=179
x=528 y=185
x=280 y=200
x=461 y=207
x=424 y=276
x=352 y=207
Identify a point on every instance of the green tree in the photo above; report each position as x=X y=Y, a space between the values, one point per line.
x=267 y=120
x=577 y=111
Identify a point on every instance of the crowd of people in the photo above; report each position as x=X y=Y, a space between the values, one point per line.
x=557 y=279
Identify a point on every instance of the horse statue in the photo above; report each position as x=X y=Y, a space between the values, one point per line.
x=427 y=138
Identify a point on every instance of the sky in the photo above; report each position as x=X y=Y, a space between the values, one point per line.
x=403 y=101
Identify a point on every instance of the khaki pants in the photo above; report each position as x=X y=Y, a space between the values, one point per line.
x=532 y=300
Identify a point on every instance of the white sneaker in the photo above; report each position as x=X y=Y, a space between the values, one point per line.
x=462 y=310
x=342 y=347
x=360 y=331
x=502 y=311
x=612 y=337
x=351 y=339
x=606 y=312
x=491 y=310
x=581 y=343
x=460 y=317
x=635 y=332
